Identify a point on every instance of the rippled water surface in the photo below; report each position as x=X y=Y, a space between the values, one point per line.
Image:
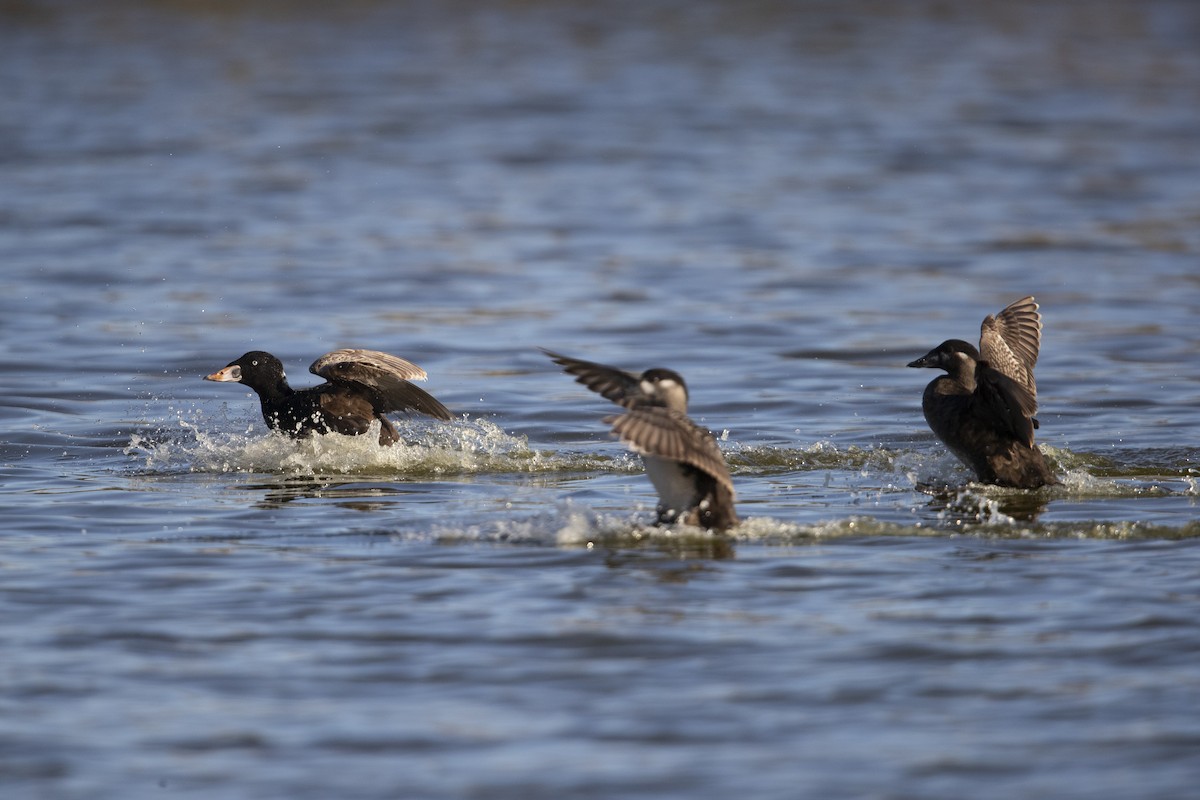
x=786 y=202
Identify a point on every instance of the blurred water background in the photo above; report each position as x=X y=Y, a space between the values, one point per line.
x=784 y=201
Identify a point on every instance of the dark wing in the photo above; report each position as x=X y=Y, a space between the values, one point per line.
x=346 y=412
x=385 y=378
x=1010 y=342
x=658 y=431
x=1007 y=404
x=617 y=385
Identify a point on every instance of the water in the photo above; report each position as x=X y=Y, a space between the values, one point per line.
x=784 y=202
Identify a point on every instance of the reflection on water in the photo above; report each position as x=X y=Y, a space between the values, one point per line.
x=356 y=496
x=960 y=507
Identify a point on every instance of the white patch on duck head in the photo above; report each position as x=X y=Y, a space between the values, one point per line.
x=663 y=387
x=673 y=394
x=963 y=369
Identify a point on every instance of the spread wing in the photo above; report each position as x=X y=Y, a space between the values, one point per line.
x=1010 y=342
x=1007 y=403
x=384 y=377
x=617 y=385
x=658 y=431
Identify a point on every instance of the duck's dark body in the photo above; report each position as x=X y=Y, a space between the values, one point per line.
x=363 y=386
x=983 y=408
x=682 y=459
x=985 y=429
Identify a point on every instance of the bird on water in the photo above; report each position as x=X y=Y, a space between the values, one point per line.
x=983 y=408
x=362 y=386
x=682 y=459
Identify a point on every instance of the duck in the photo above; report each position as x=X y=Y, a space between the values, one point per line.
x=361 y=387
x=983 y=408
x=682 y=459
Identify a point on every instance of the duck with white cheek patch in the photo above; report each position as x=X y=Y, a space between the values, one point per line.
x=983 y=408
x=682 y=459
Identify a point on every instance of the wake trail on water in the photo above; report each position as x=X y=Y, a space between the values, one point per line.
x=194 y=443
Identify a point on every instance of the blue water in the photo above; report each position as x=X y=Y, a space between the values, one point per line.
x=784 y=202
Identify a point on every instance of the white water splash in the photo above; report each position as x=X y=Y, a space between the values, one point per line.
x=428 y=448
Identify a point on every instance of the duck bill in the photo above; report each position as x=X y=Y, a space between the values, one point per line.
x=927 y=360
x=232 y=373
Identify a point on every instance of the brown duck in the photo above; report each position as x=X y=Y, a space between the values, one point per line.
x=682 y=459
x=983 y=408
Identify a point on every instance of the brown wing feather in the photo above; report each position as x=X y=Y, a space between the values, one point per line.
x=617 y=385
x=384 y=376
x=365 y=367
x=657 y=431
x=346 y=413
x=1010 y=342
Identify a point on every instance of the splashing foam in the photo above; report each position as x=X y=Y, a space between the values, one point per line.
x=980 y=507
x=571 y=526
x=427 y=448
x=1079 y=482
x=821 y=455
x=566 y=525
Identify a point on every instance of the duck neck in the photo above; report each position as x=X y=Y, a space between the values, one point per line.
x=964 y=373
x=274 y=391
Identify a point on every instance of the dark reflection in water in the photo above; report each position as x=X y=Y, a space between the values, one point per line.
x=353 y=495
x=958 y=507
x=635 y=547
